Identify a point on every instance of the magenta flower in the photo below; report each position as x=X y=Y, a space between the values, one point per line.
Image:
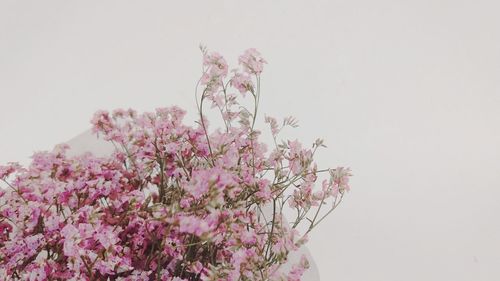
x=174 y=202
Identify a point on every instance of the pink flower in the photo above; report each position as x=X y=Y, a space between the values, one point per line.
x=173 y=202
x=199 y=184
x=37 y=274
x=193 y=225
x=298 y=270
x=216 y=63
x=216 y=70
x=248 y=237
x=242 y=82
x=102 y=121
x=106 y=236
x=71 y=235
x=6 y=171
x=33 y=244
x=340 y=177
x=252 y=61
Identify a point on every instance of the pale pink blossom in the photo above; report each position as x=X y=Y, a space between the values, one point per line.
x=252 y=61
x=242 y=82
x=174 y=202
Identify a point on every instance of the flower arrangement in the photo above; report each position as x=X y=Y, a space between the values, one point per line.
x=173 y=202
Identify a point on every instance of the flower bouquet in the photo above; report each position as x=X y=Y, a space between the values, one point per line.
x=172 y=202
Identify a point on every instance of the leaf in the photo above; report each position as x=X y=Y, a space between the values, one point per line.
x=244 y=118
x=319 y=143
x=273 y=123
x=290 y=121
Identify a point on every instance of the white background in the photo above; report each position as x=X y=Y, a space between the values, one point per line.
x=407 y=93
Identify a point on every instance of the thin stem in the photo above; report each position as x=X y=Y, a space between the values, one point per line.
x=205 y=128
x=256 y=101
x=331 y=210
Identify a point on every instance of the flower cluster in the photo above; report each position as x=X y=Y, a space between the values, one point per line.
x=173 y=202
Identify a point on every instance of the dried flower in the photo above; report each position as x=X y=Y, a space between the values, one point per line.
x=174 y=202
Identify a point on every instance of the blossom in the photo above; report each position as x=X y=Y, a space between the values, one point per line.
x=70 y=234
x=298 y=270
x=193 y=225
x=340 y=177
x=252 y=61
x=37 y=274
x=175 y=201
x=9 y=169
x=216 y=70
x=106 y=236
x=242 y=82
x=248 y=237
